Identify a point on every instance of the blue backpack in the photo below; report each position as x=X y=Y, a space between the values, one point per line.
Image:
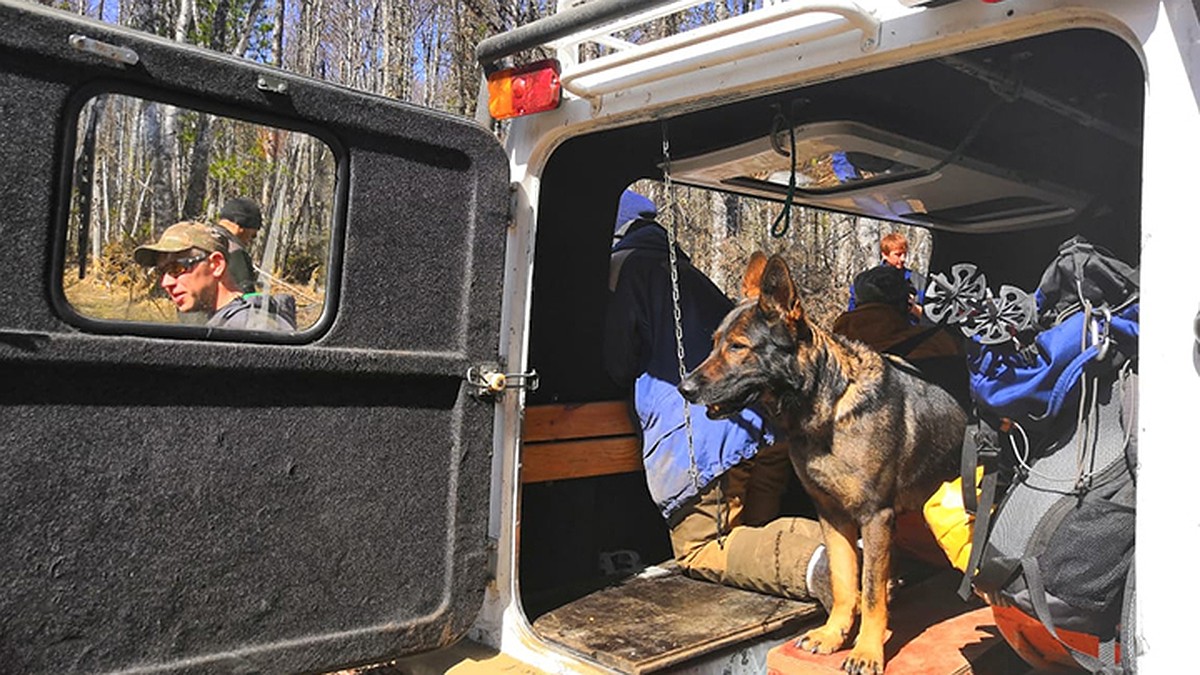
x=1053 y=379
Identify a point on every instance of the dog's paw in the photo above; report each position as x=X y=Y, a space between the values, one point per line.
x=864 y=661
x=824 y=640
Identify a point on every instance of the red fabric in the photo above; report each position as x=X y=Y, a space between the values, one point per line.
x=931 y=632
x=1030 y=639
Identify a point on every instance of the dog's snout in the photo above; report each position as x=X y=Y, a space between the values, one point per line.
x=689 y=388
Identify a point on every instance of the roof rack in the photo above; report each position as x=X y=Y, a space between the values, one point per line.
x=538 y=33
x=705 y=46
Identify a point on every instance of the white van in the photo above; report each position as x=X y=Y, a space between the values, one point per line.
x=408 y=477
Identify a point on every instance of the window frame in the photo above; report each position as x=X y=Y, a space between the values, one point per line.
x=69 y=136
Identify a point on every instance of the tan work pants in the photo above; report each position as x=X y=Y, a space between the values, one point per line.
x=760 y=551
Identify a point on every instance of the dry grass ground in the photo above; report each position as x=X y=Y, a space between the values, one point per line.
x=98 y=299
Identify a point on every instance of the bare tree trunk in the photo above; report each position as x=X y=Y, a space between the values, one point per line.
x=124 y=160
x=162 y=207
x=242 y=39
x=171 y=113
x=433 y=57
x=403 y=65
x=868 y=243
x=193 y=204
x=88 y=231
x=280 y=16
x=168 y=170
x=144 y=187
x=183 y=19
x=718 y=228
x=353 y=72
x=104 y=188
x=387 y=46
x=220 y=25
x=311 y=28
x=141 y=15
x=465 y=77
x=276 y=224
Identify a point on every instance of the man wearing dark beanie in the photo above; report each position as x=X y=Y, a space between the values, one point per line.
x=243 y=219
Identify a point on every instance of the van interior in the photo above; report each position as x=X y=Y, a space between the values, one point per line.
x=1002 y=153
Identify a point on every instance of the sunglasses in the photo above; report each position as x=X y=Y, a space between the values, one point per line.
x=180 y=265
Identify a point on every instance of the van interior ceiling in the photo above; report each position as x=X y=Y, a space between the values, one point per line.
x=1060 y=112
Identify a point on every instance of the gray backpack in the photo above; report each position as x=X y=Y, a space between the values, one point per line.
x=1054 y=386
x=1059 y=545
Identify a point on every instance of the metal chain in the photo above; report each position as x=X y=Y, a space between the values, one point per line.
x=672 y=236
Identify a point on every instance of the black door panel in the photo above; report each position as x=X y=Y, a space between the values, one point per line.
x=194 y=505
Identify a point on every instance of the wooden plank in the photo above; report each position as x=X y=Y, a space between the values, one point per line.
x=577 y=420
x=646 y=624
x=580 y=459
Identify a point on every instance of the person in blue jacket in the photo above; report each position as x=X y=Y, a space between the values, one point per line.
x=740 y=475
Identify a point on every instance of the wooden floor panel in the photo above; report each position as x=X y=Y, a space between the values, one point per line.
x=645 y=624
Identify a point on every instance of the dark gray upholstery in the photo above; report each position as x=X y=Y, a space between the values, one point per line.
x=337 y=513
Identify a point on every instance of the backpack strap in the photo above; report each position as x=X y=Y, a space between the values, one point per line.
x=903 y=347
x=977 y=445
x=970 y=462
x=1105 y=663
x=983 y=521
x=1129 y=622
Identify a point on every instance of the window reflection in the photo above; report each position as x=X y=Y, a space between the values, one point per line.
x=264 y=195
x=823 y=170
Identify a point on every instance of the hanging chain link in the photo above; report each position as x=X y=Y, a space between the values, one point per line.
x=672 y=237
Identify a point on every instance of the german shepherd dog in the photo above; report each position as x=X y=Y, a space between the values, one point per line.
x=867 y=439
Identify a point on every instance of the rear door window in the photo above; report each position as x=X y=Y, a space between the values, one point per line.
x=143 y=168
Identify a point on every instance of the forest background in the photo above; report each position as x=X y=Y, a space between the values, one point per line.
x=153 y=164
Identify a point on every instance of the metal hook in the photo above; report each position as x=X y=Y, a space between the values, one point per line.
x=778 y=123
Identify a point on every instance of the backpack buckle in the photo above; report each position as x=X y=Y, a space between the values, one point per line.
x=1099 y=327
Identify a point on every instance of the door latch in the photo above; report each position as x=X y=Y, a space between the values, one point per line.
x=489 y=379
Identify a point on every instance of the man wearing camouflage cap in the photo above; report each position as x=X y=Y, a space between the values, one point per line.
x=193 y=260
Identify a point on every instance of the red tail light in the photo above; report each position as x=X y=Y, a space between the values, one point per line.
x=524 y=90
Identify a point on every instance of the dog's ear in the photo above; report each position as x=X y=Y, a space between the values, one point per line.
x=752 y=282
x=778 y=293
x=779 y=297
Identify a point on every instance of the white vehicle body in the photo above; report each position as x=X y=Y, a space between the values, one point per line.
x=812 y=42
x=368 y=501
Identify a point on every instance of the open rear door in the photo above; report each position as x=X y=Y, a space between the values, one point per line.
x=180 y=499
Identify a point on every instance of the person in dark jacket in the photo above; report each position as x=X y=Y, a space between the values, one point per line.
x=893 y=251
x=732 y=472
x=243 y=219
x=883 y=321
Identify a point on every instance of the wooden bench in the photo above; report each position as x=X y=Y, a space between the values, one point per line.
x=579 y=440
